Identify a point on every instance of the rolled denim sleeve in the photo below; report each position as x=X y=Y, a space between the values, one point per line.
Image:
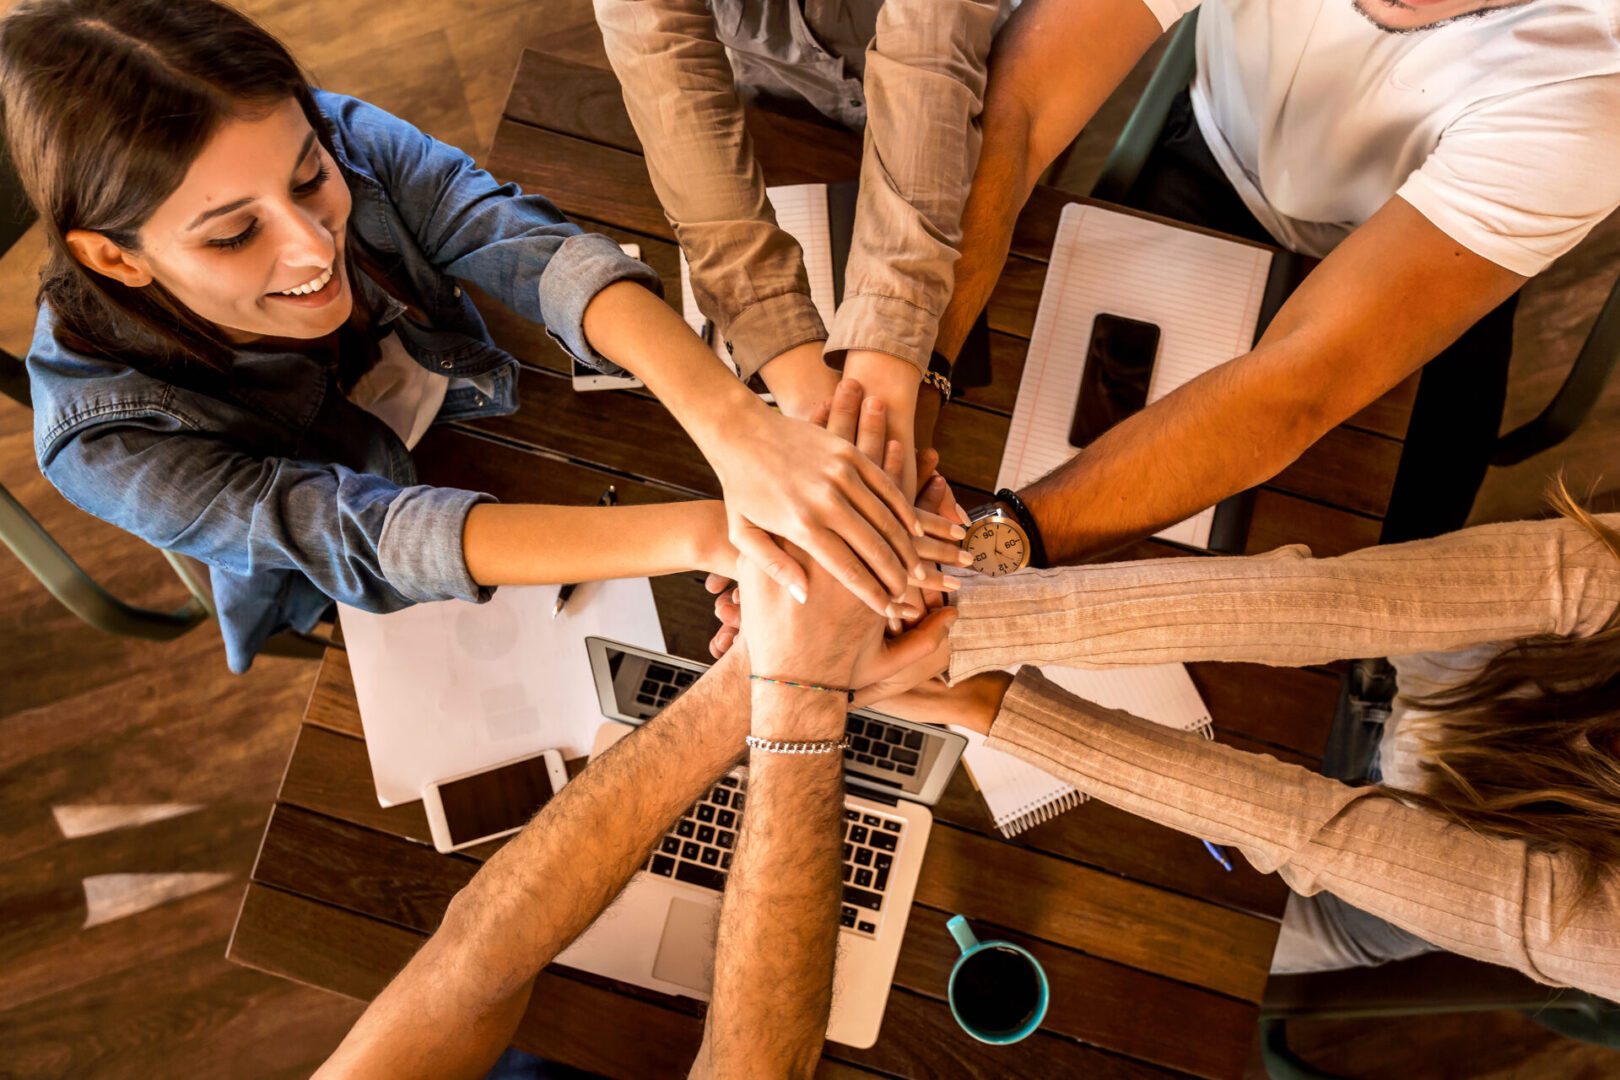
x=925 y=77
x=747 y=273
x=361 y=539
x=517 y=247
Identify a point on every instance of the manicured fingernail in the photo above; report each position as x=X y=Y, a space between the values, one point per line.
x=797 y=592
x=949 y=584
x=874 y=405
x=736 y=594
x=958 y=533
x=920 y=572
x=848 y=386
x=916 y=528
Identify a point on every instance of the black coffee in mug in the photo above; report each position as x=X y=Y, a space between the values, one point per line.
x=997 y=990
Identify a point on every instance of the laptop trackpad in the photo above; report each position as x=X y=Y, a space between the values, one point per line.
x=686 y=951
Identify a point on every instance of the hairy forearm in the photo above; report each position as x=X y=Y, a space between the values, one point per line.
x=1229 y=429
x=1001 y=186
x=517 y=544
x=462 y=996
x=779 y=920
x=1053 y=65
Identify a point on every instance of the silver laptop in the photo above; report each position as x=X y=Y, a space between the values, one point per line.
x=661 y=932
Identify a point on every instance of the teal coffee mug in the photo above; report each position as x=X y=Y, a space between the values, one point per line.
x=997 y=991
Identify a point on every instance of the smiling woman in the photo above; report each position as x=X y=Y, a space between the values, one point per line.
x=264 y=256
x=251 y=312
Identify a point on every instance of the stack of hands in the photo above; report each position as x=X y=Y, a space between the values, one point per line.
x=866 y=608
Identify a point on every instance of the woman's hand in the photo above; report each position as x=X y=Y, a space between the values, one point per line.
x=712 y=548
x=972 y=703
x=821 y=493
x=864 y=425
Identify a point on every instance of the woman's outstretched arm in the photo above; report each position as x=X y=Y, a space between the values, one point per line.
x=1487 y=898
x=1488 y=583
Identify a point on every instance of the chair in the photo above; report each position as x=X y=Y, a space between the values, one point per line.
x=54 y=567
x=1587 y=377
x=1430 y=984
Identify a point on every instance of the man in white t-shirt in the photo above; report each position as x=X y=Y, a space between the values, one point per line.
x=1435 y=153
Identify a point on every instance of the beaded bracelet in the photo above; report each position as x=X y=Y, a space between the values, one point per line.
x=776 y=746
x=849 y=695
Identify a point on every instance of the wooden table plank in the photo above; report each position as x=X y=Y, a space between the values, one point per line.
x=586 y=102
x=1098 y=913
x=314 y=943
x=383 y=877
x=1103 y=914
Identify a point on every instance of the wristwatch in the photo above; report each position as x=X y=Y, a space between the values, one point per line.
x=1003 y=538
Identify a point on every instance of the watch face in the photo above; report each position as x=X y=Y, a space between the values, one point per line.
x=998 y=547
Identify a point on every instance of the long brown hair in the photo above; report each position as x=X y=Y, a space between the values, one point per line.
x=1529 y=747
x=106 y=105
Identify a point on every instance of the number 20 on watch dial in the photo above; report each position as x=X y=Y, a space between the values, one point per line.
x=998 y=547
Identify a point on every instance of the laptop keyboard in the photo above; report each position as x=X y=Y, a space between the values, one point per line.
x=885 y=748
x=698 y=851
x=662 y=685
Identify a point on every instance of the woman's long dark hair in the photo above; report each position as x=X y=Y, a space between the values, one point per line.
x=1529 y=748
x=106 y=105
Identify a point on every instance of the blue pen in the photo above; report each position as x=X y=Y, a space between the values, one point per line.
x=1220 y=856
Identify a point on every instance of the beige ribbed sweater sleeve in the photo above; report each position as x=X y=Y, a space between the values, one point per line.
x=1489 y=583
x=1482 y=897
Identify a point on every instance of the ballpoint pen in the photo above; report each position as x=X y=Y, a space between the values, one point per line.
x=609 y=498
x=1220 y=855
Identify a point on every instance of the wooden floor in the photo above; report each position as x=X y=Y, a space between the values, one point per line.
x=88 y=720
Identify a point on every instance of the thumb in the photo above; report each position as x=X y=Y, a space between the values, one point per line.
x=761 y=548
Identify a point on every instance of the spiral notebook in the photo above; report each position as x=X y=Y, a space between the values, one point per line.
x=1019 y=795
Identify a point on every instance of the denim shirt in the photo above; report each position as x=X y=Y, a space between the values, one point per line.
x=293 y=496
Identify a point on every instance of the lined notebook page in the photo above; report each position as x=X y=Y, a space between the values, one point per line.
x=1202 y=292
x=801 y=212
x=1019 y=795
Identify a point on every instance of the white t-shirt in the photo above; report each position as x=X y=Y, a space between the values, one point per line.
x=1503 y=130
x=400 y=392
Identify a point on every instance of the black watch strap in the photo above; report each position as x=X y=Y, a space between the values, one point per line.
x=1037 y=549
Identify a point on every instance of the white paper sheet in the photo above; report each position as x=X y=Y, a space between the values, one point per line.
x=1203 y=292
x=801 y=211
x=1019 y=795
x=451 y=687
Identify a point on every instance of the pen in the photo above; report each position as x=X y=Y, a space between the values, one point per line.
x=1220 y=856
x=609 y=498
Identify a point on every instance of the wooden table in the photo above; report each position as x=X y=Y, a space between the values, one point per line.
x=1157 y=956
